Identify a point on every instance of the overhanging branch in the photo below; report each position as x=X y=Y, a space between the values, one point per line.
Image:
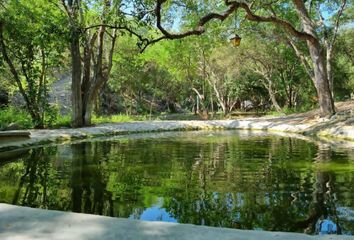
x=143 y=43
x=233 y=6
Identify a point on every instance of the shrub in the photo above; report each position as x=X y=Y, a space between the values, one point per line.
x=16 y=116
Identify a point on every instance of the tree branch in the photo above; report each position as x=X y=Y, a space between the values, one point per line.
x=336 y=25
x=302 y=58
x=143 y=41
x=233 y=6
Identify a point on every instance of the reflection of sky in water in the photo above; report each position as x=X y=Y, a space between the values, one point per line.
x=155 y=213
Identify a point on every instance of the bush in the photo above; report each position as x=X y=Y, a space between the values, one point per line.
x=12 y=115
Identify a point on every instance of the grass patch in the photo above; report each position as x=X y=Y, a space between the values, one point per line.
x=65 y=121
x=16 y=116
x=22 y=120
x=117 y=118
x=62 y=121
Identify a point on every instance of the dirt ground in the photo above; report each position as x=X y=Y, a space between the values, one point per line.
x=342 y=108
x=344 y=114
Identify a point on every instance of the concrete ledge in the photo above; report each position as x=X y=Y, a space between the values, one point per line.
x=15 y=134
x=287 y=124
x=23 y=223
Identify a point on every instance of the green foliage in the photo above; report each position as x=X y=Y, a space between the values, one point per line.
x=53 y=119
x=117 y=118
x=12 y=115
x=61 y=121
x=34 y=39
x=344 y=65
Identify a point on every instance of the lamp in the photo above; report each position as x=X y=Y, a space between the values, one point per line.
x=235 y=40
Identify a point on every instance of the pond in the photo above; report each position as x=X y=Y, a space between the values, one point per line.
x=234 y=179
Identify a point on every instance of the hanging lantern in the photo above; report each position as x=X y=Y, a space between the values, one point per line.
x=235 y=40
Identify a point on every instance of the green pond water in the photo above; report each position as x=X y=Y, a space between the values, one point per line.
x=235 y=179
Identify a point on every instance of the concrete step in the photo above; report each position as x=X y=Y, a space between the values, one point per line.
x=23 y=223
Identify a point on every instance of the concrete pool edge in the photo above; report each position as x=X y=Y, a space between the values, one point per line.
x=328 y=130
x=24 y=223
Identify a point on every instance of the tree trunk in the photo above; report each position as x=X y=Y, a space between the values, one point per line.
x=212 y=102
x=76 y=93
x=218 y=95
x=87 y=111
x=85 y=88
x=329 y=68
x=318 y=61
x=275 y=103
x=321 y=80
x=151 y=105
x=273 y=98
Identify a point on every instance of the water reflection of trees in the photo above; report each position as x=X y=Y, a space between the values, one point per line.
x=267 y=183
x=37 y=186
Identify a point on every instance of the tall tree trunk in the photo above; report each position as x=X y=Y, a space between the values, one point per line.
x=76 y=93
x=329 y=55
x=96 y=83
x=219 y=97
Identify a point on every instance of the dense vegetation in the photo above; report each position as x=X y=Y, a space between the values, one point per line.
x=144 y=57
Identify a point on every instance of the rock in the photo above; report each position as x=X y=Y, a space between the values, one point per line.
x=4 y=97
x=350 y=121
x=12 y=126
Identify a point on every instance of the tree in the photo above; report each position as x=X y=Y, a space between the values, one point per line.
x=224 y=76
x=280 y=14
x=343 y=66
x=94 y=29
x=31 y=43
x=89 y=69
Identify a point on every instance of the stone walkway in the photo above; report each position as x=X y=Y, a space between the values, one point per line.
x=23 y=223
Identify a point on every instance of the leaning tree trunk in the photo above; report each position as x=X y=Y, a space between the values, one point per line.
x=275 y=102
x=325 y=97
x=321 y=80
x=268 y=86
x=218 y=95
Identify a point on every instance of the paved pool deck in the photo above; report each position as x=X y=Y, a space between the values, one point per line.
x=23 y=223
